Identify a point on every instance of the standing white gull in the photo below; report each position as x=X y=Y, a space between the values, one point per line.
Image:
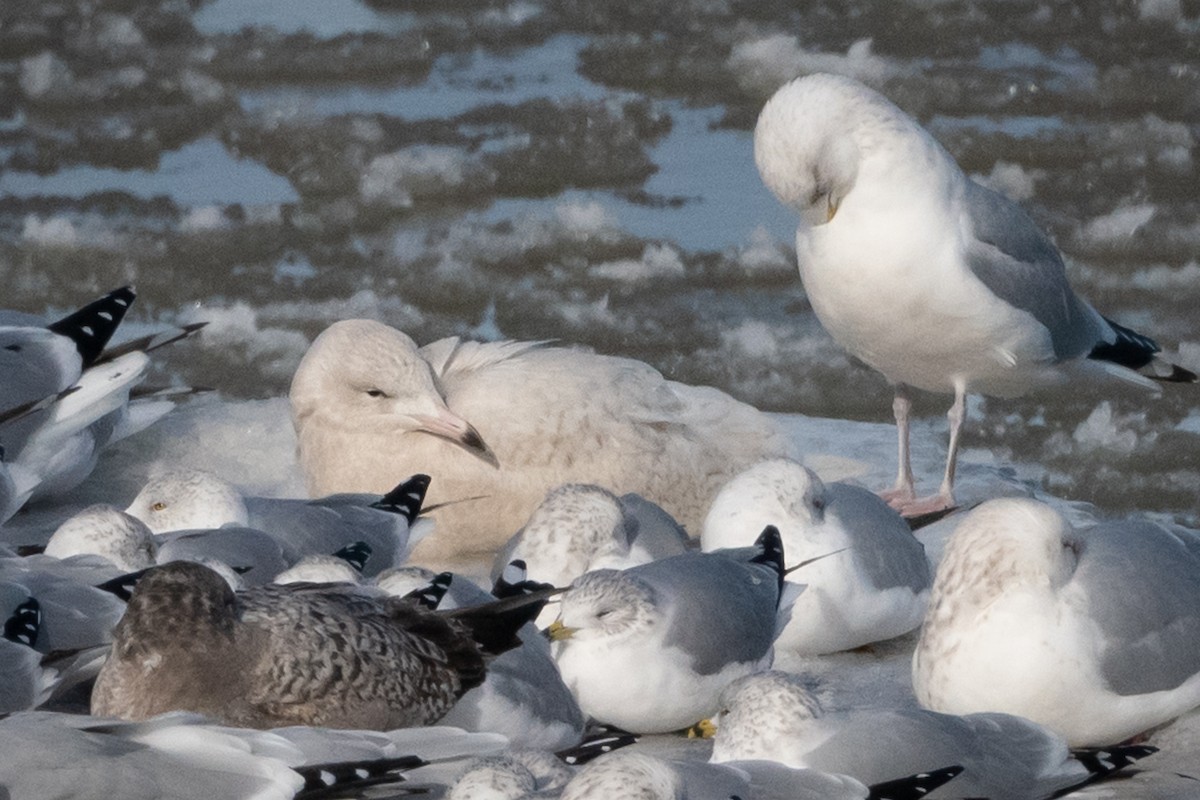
x=1091 y=632
x=505 y=422
x=928 y=277
x=867 y=578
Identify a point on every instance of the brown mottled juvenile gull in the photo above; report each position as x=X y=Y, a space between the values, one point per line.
x=504 y=422
x=310 y=654
x=1091 y=632
x=932 y=279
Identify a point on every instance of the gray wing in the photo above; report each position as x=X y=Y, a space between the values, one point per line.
x=1142 y=585
x=721 y=610
x=1016 y=261
x=241 y=548
x=889 y=554
x=316 y=528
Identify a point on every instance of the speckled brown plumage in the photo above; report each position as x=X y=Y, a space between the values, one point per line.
x=313 y=654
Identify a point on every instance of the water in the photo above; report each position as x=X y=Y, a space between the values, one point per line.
x=525 y=149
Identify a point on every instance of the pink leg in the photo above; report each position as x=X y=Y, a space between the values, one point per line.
x=902 y=492
x=909 y=505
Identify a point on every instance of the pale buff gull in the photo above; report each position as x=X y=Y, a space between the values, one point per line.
x=505 y=422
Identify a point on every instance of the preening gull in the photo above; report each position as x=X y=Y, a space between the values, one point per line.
x=185 y=499
x=650 y=648
x=312 y=654
x=773 y=716
x=868 y=578
x=582 y=527
x=1091 y=632
x=930 y=278
x=505 y=422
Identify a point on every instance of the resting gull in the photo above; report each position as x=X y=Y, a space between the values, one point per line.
x=867 y=578
x=505 y=422
x=928 y=277
x=650 y=648
x=311 y=654
x=188 y=499
x=630 y=774
x=773 y=716
x=1091 y=632
x=582 y=527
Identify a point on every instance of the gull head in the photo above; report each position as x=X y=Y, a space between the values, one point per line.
x=177 y=602
x=760 y=711
x=186 y=499
x=575 y=528
x=105 y=531
x=777 y=491
x=1005 y=545
x=365 y=377
x=805 y=148
x=606 y=604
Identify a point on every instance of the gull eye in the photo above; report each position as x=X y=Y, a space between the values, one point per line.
x=159 y=506
x=376 y=393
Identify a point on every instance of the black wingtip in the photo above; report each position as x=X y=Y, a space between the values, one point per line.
x=770 y=547
x=25 y=623
x=122 y=586
x=345 y=778
x=513 y=581
x=595 y=747
x=406 y=499
x=1178 y=375
x=356 y=555
x=430 y=596
x=494 y=625
x=92 y=326
x=914 y=786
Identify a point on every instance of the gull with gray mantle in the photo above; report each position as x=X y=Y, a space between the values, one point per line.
x=928 y=277
x=773 y=716
x=865 y=575
x=650 y=648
